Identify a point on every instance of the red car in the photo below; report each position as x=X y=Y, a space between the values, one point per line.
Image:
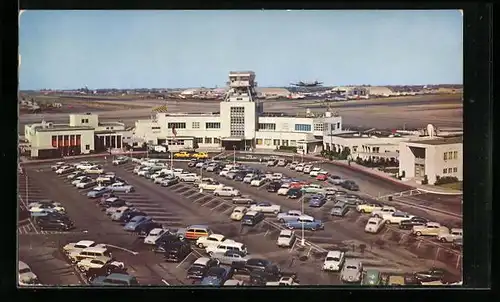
x=322 y=177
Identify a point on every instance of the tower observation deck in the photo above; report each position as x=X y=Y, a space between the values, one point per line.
x=241 y=87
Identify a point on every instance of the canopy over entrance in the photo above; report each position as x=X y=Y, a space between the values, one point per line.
x=235 y=143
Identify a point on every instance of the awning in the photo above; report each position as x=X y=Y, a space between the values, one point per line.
x=232 y=139
x=309 y=141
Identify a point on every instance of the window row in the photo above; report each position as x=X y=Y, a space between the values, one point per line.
x=450 y=155
x=276 y=142
x=66 y=140
x=176 y=125
x=450 y=170
x=267 y=126
x=207 y=140
x=303 y=127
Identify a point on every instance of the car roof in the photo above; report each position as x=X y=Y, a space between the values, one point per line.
x=104 y=258
x=118 y=276
x=376 y=219
x=355 y=262
x=286 y=232
x=434 y=223
x=334 y=254
x=202 y=261
x=456 y=230
x=217 y=236
x=23 y=265
x=85 y=242
x=239 y=208
x=95 y=249
x=198 y=226
x=252 y=213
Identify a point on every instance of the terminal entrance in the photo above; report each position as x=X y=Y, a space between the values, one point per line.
x=236 y=144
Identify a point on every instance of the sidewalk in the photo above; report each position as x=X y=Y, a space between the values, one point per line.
x=405 y=185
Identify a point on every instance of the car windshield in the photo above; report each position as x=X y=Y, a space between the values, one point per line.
x=372 y=222
x=285 y=236
x=333 y=259
x=352 y=267
x=24 y=271
x=215 y=272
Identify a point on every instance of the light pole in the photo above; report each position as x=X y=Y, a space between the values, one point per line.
x=234 y=155
x=303 y=240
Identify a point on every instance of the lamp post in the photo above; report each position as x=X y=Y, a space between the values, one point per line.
x=234 y=155
x=303 y=240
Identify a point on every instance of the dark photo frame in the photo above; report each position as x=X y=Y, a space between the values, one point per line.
x=478 y=158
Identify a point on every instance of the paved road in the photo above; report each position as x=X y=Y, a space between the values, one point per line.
x=344 y=231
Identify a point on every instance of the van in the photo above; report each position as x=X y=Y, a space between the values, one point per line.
x=374 y=225
x=251 y=218
x=196 y=231
x=90 y=252
x=232 y=246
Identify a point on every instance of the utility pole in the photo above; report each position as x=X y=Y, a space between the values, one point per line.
x=303 y=240
x=234 y=155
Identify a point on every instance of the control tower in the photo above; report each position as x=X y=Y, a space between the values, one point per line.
x=240 y=111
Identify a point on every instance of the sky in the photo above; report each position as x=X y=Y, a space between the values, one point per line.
x=167 y=49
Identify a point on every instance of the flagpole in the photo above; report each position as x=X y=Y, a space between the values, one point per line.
x=174 y=133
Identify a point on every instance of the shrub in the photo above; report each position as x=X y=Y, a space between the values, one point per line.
x=288 y=149
x=445 y=180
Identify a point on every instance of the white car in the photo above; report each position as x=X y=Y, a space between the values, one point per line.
x=47 y=207
x=211 y=186
x=121 y=187
x=80 y=245
x=94 y=170
x=77 y=179
x=118 y=213
x=84 y=165
x=384 y=211
x=98 y=262
x=26 y=276
x=266 y=207
x=283 y=190
x=396 y=217
x=111 y=211
x=86 y=183
x=307 y=169
x=334 y=261
x=293 y=165
x=286 y=238
x=178 y=172
x=142 y=171
x=352 y=271
x=108 y=177
x=227 y=191
x=447 y=235
x=57 y=165
x=154 y=235
x=330 y=191
x=315 y=171
x=64 y=170
x=281 y=162
x=249 y=177
x=289 y=215
x=120 y=160
x=374 y=225
x=276 y=176
x=299 y=167
x=74 y=175
x=238 y=213
x=211 y=241
x=189 y=177
x=224 y=172
x=258 y=182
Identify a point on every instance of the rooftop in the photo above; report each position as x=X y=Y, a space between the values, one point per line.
x=442 y=141
x=377 y=134
x=60 y=127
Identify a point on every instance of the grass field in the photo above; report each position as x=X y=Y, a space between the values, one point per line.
x=454 y=186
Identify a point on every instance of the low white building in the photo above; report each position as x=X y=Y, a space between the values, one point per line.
x=432 y=157
x=82 y=135
x=240 y=124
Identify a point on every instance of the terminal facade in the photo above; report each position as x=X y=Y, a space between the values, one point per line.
x=241 y=124
x=83 y=134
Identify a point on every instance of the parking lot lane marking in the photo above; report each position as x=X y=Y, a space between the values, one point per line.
x=185 y=258
x=211 y=201
x=226 y=211
x=166 y=283
x=123 y=249
x=197 y=253
x=221 y=204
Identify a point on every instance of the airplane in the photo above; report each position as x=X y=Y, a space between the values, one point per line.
x=307 y=84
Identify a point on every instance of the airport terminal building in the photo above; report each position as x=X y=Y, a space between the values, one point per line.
x=241 y=124
x=83 y=134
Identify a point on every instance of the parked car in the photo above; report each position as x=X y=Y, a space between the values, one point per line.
x=384 y=211
x=374 y=225
x=317 y=201
x=120 y=160
x=104 y=271
x=340 y=209
x=121 y=187
x=227 y=191
x=230 y=256
x=273 y=187
x=200 y=267
x=115 y=279
x=65 y=170
x=212 y=241
x=177 y=251
x=334 y=261
x=259 y=181
x=238 y=213
x=350 y=185
x=86 y=183
x=216 y=276
x=98 y=191
x=289 y=215
x=371 y=277
x=432 y=274
x=447 y=235
x=252 y=218
x=57 y=165
x=75 y=175
x=294 y=193
x=286 y=238
x=408 y=224
x=135 y=222
x=369 y=207
x=167 y=182
x=306 y=222
x=50 y=222
x=396 y=217
x=243 y=200
x=352 y=271
x=266 y=207
x=154 y=235
x=428 y=229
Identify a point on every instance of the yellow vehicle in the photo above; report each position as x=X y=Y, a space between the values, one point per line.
x=429 y=229
x=200 y=155
x=182 y=154
x=395 y=280
x=369 y=207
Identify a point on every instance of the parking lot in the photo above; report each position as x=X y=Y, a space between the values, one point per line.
x=392 y=243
